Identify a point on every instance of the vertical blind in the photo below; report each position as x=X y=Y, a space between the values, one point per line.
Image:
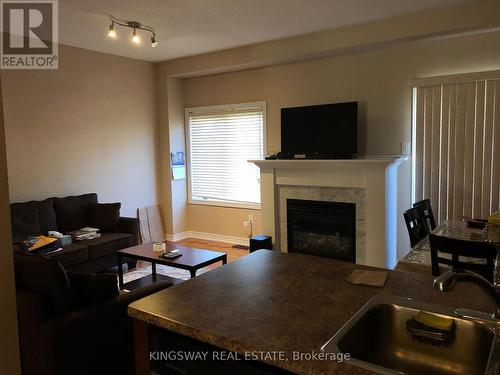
x=220 y=145
x=457 y=147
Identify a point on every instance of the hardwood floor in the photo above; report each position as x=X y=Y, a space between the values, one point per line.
x=232 y=253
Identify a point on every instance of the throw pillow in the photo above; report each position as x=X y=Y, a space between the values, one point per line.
x=72 y=213
x=24 y=225
x=104 y=216
x=46 y=213
x=91 y=288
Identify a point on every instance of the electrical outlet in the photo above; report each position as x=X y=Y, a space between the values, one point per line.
x=250 y=218
x=405 y=148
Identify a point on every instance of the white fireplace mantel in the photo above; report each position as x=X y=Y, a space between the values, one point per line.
x=376 y=175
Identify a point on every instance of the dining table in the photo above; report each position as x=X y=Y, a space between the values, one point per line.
x=418 y=258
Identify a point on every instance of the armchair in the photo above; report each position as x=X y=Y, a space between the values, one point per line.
x=78 y=327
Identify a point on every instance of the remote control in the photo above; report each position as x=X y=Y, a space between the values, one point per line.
x=172 y=254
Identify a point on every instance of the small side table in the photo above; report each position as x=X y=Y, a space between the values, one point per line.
x=261 y=242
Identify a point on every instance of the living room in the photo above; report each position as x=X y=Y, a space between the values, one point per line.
x=112 y=116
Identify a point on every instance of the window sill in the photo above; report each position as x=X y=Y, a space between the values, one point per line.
x=247 y=206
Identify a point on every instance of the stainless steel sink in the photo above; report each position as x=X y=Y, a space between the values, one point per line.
x=377 y=339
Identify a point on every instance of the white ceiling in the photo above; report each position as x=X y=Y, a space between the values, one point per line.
x=191 y=27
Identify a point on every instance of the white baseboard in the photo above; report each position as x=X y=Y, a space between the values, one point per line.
x=177 y=237
x=207 y=236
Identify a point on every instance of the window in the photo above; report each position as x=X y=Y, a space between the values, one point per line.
x=221 y=140
x=456 y=135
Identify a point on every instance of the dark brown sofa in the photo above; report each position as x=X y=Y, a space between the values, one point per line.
x=73 y=323
x=70 y=214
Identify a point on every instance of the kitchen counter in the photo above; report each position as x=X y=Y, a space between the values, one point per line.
x=418 y=259
x=269 y=301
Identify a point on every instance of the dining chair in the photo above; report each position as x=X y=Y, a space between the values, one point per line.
x=416 y=225
x=425 y=207
x=458 y=248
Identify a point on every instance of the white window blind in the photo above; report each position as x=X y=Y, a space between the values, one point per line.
x=457 y=145
x=221 y=141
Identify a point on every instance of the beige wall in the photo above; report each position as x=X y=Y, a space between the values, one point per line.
x=89 y=126
x=177 y=143
x=9 y=357
x=222 y=220
x=163 y=143
x=378 y=80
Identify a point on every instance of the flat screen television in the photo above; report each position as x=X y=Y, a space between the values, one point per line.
x=320 y=131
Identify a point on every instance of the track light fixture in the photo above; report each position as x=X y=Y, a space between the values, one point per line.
x=135 y=38
x=135 y=26
x=112 y=31
x=154 y=43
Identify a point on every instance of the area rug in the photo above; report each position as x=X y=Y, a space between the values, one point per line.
x=162 y=270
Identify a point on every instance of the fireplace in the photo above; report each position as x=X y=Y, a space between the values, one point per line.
x=322 y=228
x=371 y=184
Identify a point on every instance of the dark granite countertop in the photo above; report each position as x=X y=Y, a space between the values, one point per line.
x=268 y=301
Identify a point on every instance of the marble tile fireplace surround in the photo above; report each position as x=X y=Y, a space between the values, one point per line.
x=369 y=183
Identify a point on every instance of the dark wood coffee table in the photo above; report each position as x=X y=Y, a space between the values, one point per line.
x=191 y=260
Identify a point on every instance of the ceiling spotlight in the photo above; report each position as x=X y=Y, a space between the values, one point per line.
x=154 y=43
x=135 y=38
x=112 y=31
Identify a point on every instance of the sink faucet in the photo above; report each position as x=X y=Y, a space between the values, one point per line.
x=447 y=281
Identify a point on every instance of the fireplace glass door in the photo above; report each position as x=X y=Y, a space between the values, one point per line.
x=321 y=228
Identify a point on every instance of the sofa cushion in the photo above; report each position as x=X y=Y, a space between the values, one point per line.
x=45 y=276
x=91 y=288
x=104 y=216
x=46 y=214
x=71 y=254
x=24 y=225
x=108 y=243
x=72 y=212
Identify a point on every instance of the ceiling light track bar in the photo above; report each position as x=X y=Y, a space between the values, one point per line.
x=135 y=26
